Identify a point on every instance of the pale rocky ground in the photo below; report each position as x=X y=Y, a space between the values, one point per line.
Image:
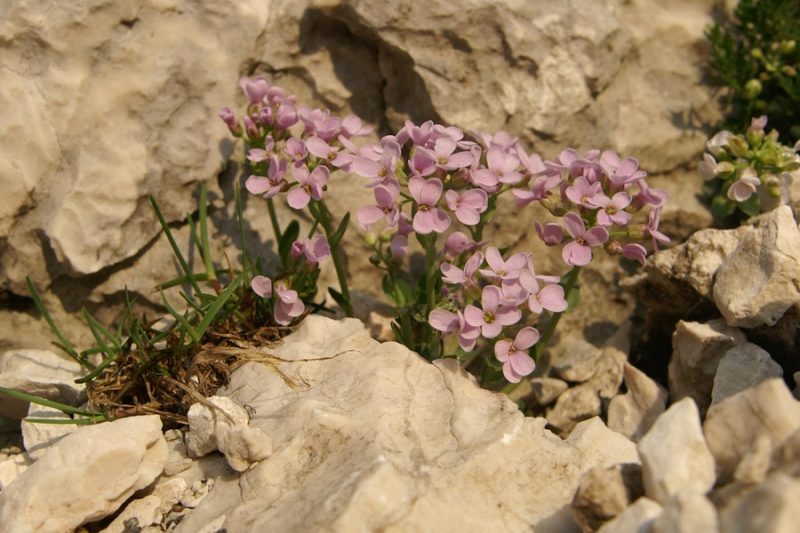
x=663 y=407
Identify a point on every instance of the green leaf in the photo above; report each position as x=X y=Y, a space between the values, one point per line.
x=180 y=318
x=216 y=306
x=722 y=208
x=290 y=235
x=182 y=260
x=64 y=408
x=338 y=297
x=751 y=207
x=573 y=298
x=398 y=333
x=339 y=234
x=64 y=343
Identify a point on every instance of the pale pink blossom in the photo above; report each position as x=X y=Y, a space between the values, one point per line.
x=578 y=252
x=262 y=286
x=314 y=249
x=494 y=315
x=288 y=304
x=513 y=354
x=311 y=185
x=468 y=205
x=426 y=194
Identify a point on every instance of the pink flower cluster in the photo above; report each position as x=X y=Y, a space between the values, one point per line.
x=287 y=305
x=503 y=292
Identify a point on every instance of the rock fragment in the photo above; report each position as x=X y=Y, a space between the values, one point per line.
x=743 y=367
x=634 y=412
x=604 y=493
x=41 y=373
x=638 y=518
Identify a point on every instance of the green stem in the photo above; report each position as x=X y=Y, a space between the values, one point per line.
x=570 y=284
x=429 y=243
x=273 y=217
x=323 y=216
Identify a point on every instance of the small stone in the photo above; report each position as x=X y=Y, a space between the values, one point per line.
x=178 y=459
x=572 y=406
x=603 y=446
x=742 y=367
x=41 y=373
x=150 y=509
x=674 y=454
x=757 y=282
x=633 y=413
x=226 y=428
x=696 y=352
x=638 y=518
x=11 y=468
x=770 y=507
x=603 y=493
x=687 y=512
x=578 y=362
x=38 y=436
x=88 y=475
x=546 y=390
x=755 y=463
x=733 y=425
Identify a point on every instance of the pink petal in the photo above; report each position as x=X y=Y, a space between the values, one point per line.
x=473 y=316
x=494 y=259
x=369 y=215
x=298 y=198
x=366 y=168
x=318 y=147
x=452 y=274
x=443 y=320
x=526 y=338
x=467 y=215
x=521 y=363
x=576 y=254
x=430 y=192
x=490 y=298
x=423 y=222
x=460 y=160
x=492 y=330
x=440 y=220
x=552 y=298
x=596 y=236
x=501 y=350
x=257 y=184
x=415 y=186
x=574 y=224
x=507 y=316
x=509 y=374
x=262 y=286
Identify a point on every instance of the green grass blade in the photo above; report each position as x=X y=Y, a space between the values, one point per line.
x=64 y=408
x=184 y=322
x=205 y=248
x=76 y=421
x=182 y=260
x=65 y=344
x=216 y=306
x=240 y=220
x=177 y=282
x=95 y=328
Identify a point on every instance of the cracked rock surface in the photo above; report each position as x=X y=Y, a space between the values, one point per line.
x=369 y=436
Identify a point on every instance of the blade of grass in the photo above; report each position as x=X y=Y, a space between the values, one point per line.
x=216 y=306
x=203 y=219
x=240 y=219
x=64 y=408
x=184 y=322
x=65 y=344
x=184 y=265
x=99 y=335
x=76 y=421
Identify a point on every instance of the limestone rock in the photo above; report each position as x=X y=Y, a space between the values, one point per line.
x=579 y=361
x=41 y=373
x=39 y=437
x=638 y=518
x=674 y=454
x=11 y=467
x=603 y=493
x=88 y=475
x=733 y=426
x=572 y=406
x=150 y=509
x=546 y=390
x=225 y=428
x=687 y=512
x=634 y=412
x=371 y=436
x=756 y=462
x=757 y=282
x=740 y=368
x=771 y=507
x=696 y=352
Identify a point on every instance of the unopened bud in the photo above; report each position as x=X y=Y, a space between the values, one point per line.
x=375 y=260
x=756 y=53
x=752 y=89
x=789 y=71
x=637 y=232
x=738 y=146
x=370 y=238
x=554 y=207
x=725 y=167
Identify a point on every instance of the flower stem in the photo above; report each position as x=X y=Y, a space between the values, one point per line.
x=273 y=217
x=323 y=216
x=570 y=285
x=429 y=243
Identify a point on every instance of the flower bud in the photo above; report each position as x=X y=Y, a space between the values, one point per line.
x=756 y=53
x=789 y=71
x=725 y=167
x=787 y=47
x=370 y=238
x=637 y=232
x=772 y=184
x=752 y=89
x=738 y=146
x=554 y=207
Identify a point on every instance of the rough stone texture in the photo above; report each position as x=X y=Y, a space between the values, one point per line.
x=604 y=493
x=223 y=426
x=149 y=510
x=757 y=282
x=687 y=512
x=578 y=362
x=11 y=467
x=546 y=390
x=770 y=507
x=87 y=476
x=733 y=426
x=369 y=436
x=674 y=454
x=39 y=437
x=638 y=518
x=634 y=412
x=108 y=103
x=696 y=352
x=740 y=368
x=41 y=373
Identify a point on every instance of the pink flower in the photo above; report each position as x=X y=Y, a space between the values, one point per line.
x=443 y=154
x=634 y=251
x=620 y=171
x=585 y=194
x=325 y=151
x=287 y=304
x=745 y=186
x=272 y=183
x=516 y=362
x=494 y=315
x=613 y=209
x=468 y=205
x=262 y=286
x=501 y=269
x=314 y=249
x=551 y=233
x=550 y=296
x=578 y=252
x=457 y=243
x=385 y=196
x=653 y=220
x=254 y=88
x=353 y=127
x=428 y=217
x=296 y=149
x=448 y=322
x=501 y=168
x=454 y=275
x=319 y=122
x=311 y=185
x=228 y=117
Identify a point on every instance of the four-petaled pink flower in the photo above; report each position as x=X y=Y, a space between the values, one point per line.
x=288 y=304
x=448 y=322
x=428 y=217
x=444 y=156
x=501 y=269
x=653 y=219
x=578 y=252
x=453 y=274
x=468 y=205
x=314 y=249
x=745 y=186
x=272 y=183
x=550 y=296
x=329 y=153
x=585 y=194
x=385 y=196
x=501 y=168
x=494 y=315
x=613 y=209
x=311 y=185
x=513 y=354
